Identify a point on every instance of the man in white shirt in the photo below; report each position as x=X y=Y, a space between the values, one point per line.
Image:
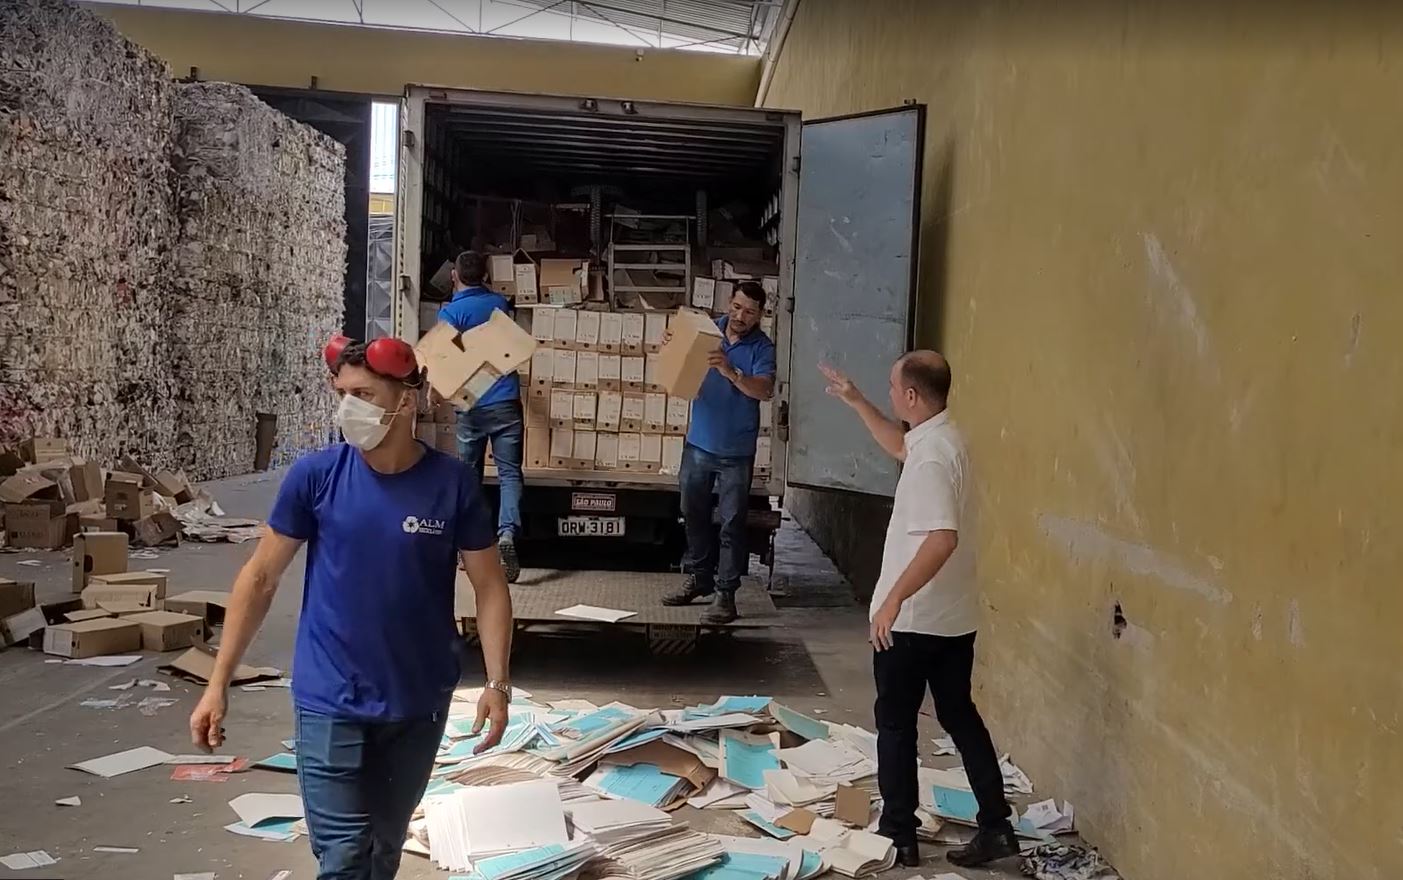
x=924 y=610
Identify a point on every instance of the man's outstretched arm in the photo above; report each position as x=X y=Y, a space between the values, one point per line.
x=888 y=432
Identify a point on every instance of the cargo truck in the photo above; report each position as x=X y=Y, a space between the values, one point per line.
x=834 y=201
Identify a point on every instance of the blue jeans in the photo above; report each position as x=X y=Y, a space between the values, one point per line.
x=360 y=783
x=502 y=424
x=716 y=559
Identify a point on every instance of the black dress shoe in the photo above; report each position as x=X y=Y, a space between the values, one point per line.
x=908 y=856
x=986 y=847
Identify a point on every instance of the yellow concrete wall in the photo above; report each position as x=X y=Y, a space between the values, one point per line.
x=1162 y=248
x=268 y=52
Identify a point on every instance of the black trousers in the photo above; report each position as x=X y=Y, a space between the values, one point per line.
x=903 y=672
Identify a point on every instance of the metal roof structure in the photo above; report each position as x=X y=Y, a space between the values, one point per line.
x=733 y=26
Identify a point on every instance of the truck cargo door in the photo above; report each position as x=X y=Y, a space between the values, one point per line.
x=854 y=288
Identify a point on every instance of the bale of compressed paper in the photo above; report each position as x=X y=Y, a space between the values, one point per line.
x=258 y=276
x=87 y=228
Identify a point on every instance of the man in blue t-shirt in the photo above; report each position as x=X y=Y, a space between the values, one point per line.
x=497 y=415
x=386 y=521
x=720 y=456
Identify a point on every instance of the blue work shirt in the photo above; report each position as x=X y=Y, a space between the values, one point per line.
x=472 y=307
x=725 y=421
x=376 y=640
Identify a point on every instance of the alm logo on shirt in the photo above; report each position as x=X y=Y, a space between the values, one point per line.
x=414 y=525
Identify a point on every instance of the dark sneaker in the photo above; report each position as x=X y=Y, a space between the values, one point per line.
x=688 y=593
x=722 y=610
x=511 y=563
x=986 y=847
x=908 y=856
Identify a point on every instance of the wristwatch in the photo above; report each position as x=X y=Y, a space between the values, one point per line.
x=501 y=687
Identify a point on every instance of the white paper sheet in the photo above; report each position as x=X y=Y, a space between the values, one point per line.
x=123 y=762
x=110 y=660
x=116 y=849
x=69 y=802
x=735 y=719
x=25 y=861
x=505 y=818
x=255 y=807
x=592 y=612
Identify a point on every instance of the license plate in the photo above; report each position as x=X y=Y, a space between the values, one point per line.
x=590 y=526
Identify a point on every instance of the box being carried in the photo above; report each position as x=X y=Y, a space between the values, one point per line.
x=464 y=366
x=682 y=363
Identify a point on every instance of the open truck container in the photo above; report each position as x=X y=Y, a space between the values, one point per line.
x=840 y=214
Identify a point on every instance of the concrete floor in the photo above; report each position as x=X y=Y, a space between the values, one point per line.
x=817 y=661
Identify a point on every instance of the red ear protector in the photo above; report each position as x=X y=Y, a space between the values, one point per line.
x=387 y=356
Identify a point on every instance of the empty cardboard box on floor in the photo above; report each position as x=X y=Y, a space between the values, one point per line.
x=126 y=499
x=15 y=596
x=197 y=664
x=208 y=605
x=38 y=525
x=97 y=553
x=682 y=363
x=126 y=578
x=92 y=638
x=167 y=630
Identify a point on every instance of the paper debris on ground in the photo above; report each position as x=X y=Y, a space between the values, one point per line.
x=471 y=823
x=862 y=854
x=208 y=772
x=121 y=686
x=201 y=759
x=945 y=746
x=33 y=563
x=110 y=660
x=28 y=861
x=149 y=706
x=745 y=758
x=116 y=849
x=284 y=761
x=183 y=799
x=203 y=520
x=206 y=875
x=144 y=553
x=69 y=802
x=1056 y=861
x=798 y=723
x=1044 y=816
x=281 y=875
x=197 y=665
x=255 y=808
x=123 y=762
x=280 y=831
x=591 y=612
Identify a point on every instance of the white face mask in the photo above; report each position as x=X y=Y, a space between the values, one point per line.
x=362 y=422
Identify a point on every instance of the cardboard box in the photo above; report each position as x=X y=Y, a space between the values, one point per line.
x=611 y=332
x=563 y=282
x=127 y=609
x=104 y=595
x=703 y=293
x=542 y=368
x=587 y=370
x=17 y=628
x=175 y=486
x=762 y=455
x=126 y=497
x=606 y=452
x=446 y=439
x=197 y=665
x=42 y=450
x=654 y=328
x=654 y=413
x=562 y=447
x=15 y=596
x=634 y=327
x=92 y=638
x=159 y=528
x=721 y=301
x=566 y=365
x=632 y=372
x=28 y=485
x=609 y=411
x=632 y=409
x=650 y=453
x=652 y=378
x=97 y=553
x=672 y=455
x=611 y=372
x=585 y=406
x=101 y=523
x=208 y=605
x=525 y=283
x=129 y=578
x=630 y=451
x=567 y=324
x=86 y=479
x=464 y=366
x=537 y=454
x=585 y=447
x=562 y=408
x=587 y=331
x=538 y=239
x=168 y=630
x=536 y=412
x=682 y=364
x=679 y=413
x=501 y=272
x=86 y=614
x=38 y=525
x=543 y=326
